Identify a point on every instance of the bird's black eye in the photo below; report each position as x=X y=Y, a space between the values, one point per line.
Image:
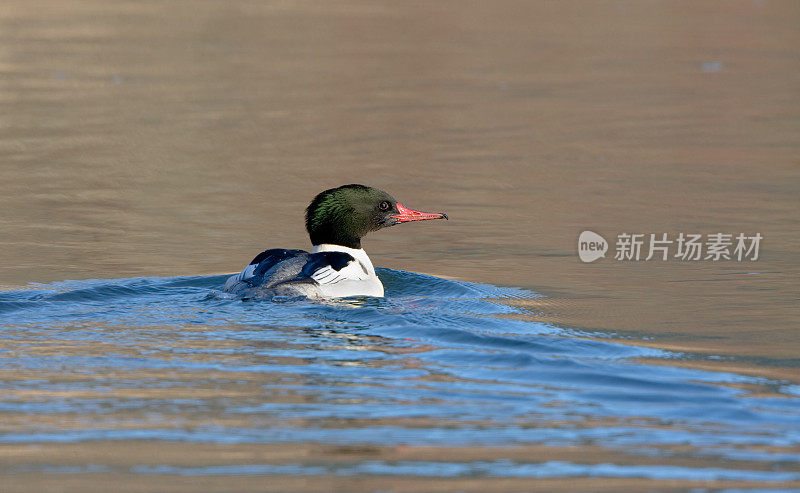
x=385 y=206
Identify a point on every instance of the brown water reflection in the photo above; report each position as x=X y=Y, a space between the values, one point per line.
x=199 y=455
x=140 y=138
x=167 y=138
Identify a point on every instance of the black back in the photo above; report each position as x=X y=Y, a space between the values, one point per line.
x=280 y=266
x=269 y=258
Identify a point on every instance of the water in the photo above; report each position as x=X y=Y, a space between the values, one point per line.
x=178 y=139
x=436 y=363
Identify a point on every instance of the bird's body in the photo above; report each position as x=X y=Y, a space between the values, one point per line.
x=337 y=266
x=329 y=271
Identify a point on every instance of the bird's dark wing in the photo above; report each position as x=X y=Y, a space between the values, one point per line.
x=324 y=268
x=295 y=271
x=268 y=259
x=263 y=262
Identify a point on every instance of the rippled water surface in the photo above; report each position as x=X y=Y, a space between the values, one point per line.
x=148 y=146
x=436 y=363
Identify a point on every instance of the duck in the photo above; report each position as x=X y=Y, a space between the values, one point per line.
x=337 y=266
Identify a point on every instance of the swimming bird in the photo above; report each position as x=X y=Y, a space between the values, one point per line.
x=337 y=266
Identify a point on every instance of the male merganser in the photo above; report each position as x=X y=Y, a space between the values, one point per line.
x=337 y=266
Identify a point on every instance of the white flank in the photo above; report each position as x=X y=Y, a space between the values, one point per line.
x=355 y=279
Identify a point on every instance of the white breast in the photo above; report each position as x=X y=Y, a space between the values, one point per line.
x=358 y=278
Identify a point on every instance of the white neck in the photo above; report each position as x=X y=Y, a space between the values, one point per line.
x=357 y=253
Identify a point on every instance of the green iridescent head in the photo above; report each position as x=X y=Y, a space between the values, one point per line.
x=343 y=215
